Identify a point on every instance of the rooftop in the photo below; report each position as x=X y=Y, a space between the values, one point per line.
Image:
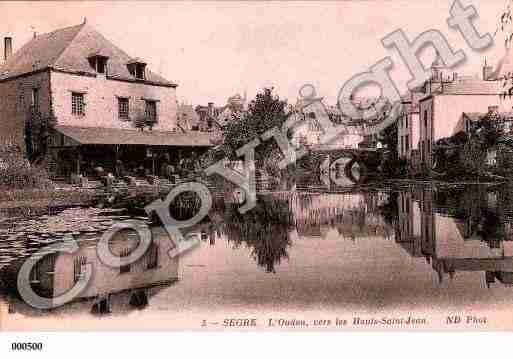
x=68 y=50
x=115 y=136
x=472 y=87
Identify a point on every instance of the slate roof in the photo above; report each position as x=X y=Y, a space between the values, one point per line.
x=476 y=116
x=68 y=50
x=472 y=87
x=115 y=136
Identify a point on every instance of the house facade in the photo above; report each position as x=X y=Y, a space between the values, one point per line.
x=61 y=90
x=310 y=115
x=449 y=97
x=408 y=126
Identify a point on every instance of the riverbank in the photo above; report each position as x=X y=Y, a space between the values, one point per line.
x=33 y=201
x=397 y=184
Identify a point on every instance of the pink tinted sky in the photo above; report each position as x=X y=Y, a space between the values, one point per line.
x=213 y=50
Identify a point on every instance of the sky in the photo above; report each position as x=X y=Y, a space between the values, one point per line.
x=216 y=49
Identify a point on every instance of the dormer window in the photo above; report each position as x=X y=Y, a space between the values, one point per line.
x=137 y=68
x=98 y=62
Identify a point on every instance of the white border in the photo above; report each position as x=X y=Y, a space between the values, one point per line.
x=260 y=345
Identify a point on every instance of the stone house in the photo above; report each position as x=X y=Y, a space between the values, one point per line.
x=449 y=97
x=75 y=99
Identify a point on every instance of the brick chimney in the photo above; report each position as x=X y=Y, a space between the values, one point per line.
x=7 y=47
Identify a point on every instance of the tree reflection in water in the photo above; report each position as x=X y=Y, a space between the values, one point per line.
x=483 y=210
x=389 y=210
x=264 y=230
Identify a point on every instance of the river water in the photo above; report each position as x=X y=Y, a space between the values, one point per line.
x=418 y=254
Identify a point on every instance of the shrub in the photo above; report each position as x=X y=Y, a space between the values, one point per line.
x=16 y=171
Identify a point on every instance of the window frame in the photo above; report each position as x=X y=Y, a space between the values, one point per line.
x=151 y=103
x=78 y=103
x=122 y=114
x=34 y=99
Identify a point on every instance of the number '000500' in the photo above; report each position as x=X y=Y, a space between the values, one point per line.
x=27 y=346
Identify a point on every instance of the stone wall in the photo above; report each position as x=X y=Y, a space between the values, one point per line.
x=101 y=98
x=15 y=105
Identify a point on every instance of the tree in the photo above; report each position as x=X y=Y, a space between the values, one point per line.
x=37 y=133
x=489 y=130
x=505 y=24
x=265 y=112
x=389 y=138
x=473 y=158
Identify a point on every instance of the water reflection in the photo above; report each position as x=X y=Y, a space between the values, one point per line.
x=460 y=229
x=264 y=230
x=445 y=231
x=130 y=285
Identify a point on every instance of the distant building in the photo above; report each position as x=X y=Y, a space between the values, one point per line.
x=208 y=117
x=187 y=118
x=311 y=114
x=408 y=133
x=449 y=97
x=213 y=117
x=235 y=108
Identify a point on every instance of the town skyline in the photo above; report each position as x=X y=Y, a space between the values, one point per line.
x=244 y=55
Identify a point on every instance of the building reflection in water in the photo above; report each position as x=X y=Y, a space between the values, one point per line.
x=110 y=288
x=457 y=231
x=454 y=231
x=268 y=230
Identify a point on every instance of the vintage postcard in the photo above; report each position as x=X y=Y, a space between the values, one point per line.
x=262 y=166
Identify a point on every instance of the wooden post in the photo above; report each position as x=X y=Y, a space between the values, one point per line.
x=78 y=160
x=153 y=163
x=116 y=158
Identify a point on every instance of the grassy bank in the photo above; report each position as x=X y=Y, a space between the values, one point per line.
x=26 y=187
x=31 y=202
x=12 y=197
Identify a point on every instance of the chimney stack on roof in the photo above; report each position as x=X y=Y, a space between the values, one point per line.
x=7 y=47
x=487 y=71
